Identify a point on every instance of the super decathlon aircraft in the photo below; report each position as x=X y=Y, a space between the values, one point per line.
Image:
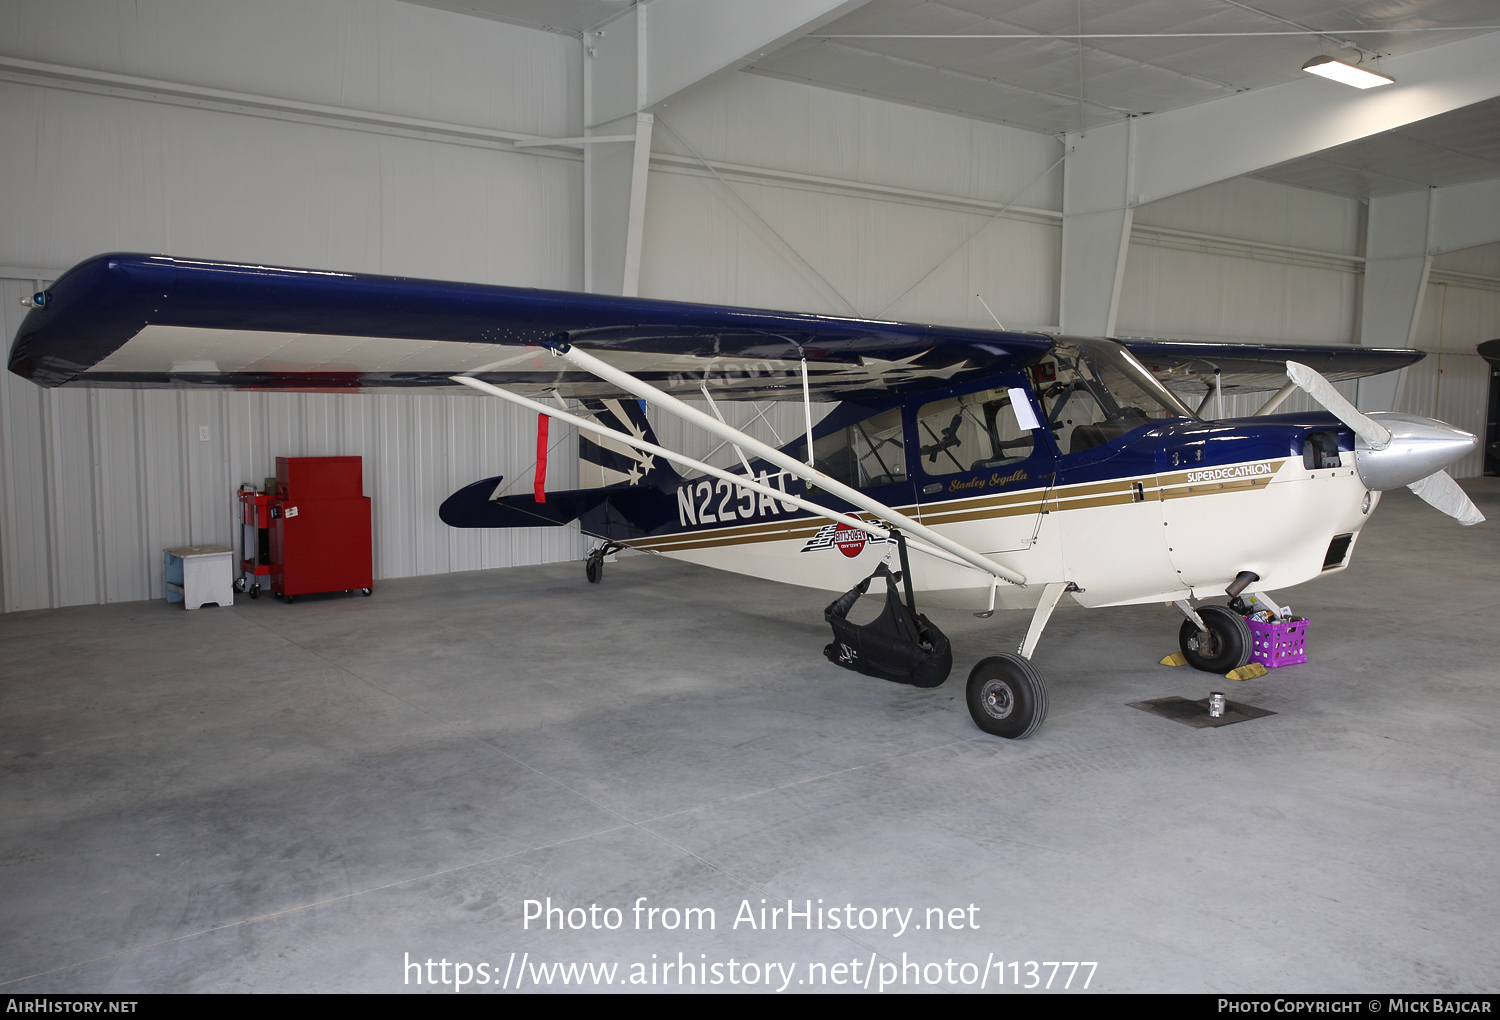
x=1015 y=467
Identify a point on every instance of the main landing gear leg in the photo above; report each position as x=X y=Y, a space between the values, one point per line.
x=593 y=567
x=1006 y=694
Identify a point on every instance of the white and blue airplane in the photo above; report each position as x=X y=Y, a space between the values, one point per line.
x=1006 y=468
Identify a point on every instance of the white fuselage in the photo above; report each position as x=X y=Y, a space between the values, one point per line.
x=1147 y=538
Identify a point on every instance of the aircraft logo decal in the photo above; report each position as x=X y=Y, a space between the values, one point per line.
x=1237 y=471
x=849 y=541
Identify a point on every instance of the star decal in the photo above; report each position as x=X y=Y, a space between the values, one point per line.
x=884 y=372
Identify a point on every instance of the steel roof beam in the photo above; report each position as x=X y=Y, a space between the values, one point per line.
x=657 y=49
x=638 y=60
x=1214 y=141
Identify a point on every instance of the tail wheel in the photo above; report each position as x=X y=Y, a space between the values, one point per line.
x=1226 y=646
x=1006 y=696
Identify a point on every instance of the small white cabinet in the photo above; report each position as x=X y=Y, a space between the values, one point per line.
x=199 y=574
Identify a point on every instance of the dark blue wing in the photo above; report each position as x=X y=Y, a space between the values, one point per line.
x=143 y=320
x=1189 y=364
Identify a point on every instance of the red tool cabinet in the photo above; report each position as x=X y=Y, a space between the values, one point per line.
x=320 y=527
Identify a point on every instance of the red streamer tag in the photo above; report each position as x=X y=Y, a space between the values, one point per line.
x=540 y=490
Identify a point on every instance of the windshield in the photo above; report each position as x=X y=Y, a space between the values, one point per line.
x=1093 y=391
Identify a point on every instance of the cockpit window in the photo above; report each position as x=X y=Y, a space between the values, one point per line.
x=1093 y=391
x=972 y=432
x=863 y=455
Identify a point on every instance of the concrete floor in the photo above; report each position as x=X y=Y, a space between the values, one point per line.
x=292 y=798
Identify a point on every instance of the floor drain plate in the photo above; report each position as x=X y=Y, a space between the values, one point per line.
x=1195 y=713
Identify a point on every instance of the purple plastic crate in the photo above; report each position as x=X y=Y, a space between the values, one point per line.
x=1278 y=644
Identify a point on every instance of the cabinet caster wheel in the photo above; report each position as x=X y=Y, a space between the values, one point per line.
x=367 y=592
x=255 y=591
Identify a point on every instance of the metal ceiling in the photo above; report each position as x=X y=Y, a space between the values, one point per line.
x=1461 y=147
x=570 y=17
x=1054 y=85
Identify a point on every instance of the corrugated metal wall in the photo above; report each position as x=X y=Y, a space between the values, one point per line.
x=841 y=203
x=1179 y=282
x=95 y=483
x=1452 y=382
x=906 y=231
x=1296 y=281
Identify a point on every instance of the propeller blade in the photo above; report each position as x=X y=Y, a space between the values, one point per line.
x=1443 y=492
x=1375 y=435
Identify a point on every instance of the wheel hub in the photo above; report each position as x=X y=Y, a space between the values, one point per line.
x=1206 y=645
x=998 y=699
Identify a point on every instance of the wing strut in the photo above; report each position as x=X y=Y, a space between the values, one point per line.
x=807 y=412
x=747 y=483
x=796 y=468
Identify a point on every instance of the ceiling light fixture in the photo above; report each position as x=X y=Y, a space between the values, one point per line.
x=1339 y=71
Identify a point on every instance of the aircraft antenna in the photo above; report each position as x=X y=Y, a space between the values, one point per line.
x=986 y=304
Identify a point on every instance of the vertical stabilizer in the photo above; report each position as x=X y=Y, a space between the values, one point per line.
x=604 y=463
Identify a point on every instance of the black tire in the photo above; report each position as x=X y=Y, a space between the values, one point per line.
x=287 y=599
x=593 y=569
x=1228 y=643
x=367 y=592
x=1006 y=696
x=255 y=591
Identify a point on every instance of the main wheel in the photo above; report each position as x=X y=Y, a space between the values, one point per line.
x=1226 y=646
x=1006 y=696
x=593 y=568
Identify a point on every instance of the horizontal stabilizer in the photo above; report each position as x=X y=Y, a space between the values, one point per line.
x=605 y=512
x=473 y=507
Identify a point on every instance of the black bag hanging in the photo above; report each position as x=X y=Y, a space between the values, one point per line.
x=899 y=645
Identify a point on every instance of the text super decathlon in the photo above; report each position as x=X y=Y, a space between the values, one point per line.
x=1001 y=468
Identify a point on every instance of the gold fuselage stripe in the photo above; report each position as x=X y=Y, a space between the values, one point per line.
x=1082 y=496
